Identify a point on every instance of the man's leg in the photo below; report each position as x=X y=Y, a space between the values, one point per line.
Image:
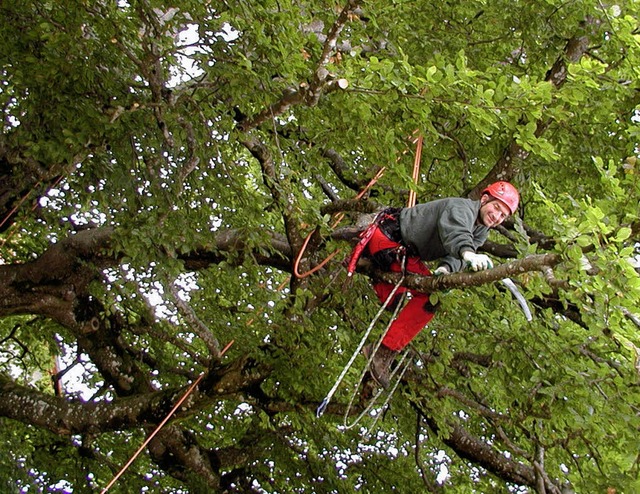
x=413 y=317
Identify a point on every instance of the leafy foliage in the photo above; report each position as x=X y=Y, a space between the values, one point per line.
x=161 y=164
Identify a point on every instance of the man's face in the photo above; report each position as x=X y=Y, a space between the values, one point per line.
x=492 y=211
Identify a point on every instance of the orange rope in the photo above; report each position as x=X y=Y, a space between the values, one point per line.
x=296 y=264
x=339 y=217
x=416 y=171
x=157 y=429
x=18 y=205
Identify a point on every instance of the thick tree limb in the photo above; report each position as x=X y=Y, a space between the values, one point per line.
x=177 y=451
x=52 y=284
x=480 y=452
x=462 y=280
x=66 y=416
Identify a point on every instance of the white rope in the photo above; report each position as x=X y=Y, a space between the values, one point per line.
x=367 y=366
x=373 y=400
x=395 y=386
x=323 y=406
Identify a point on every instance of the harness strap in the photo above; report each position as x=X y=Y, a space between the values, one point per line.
x=365 y=237
x=357 y=251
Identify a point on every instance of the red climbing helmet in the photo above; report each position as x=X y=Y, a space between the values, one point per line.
x=504 y=192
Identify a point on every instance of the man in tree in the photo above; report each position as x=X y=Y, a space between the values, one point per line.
x=447 y=230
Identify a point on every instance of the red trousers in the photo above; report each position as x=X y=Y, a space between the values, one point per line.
x=417 y=312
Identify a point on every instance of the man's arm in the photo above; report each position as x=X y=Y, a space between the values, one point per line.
x=450 y=263
x=460 y=237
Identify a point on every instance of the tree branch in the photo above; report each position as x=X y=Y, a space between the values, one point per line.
x=474 y=449
x=66 y=416
x=308 y=93
x=196 y=325
x=431 y=284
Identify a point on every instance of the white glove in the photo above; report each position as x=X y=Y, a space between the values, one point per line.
x=478 y=262
x=441 y=270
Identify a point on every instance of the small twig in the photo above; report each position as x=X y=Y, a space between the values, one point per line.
x=424 y=470
x=460 y=397
x=513 y=447
x=198 y=327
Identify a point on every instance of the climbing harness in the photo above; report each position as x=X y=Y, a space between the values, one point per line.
x=365 y=236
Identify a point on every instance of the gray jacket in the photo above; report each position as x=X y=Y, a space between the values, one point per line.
x=443 y=229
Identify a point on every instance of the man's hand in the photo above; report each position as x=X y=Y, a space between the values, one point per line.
x=441 y=270
x=478 y=262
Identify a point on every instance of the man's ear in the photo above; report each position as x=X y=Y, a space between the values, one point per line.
x=484 y=199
